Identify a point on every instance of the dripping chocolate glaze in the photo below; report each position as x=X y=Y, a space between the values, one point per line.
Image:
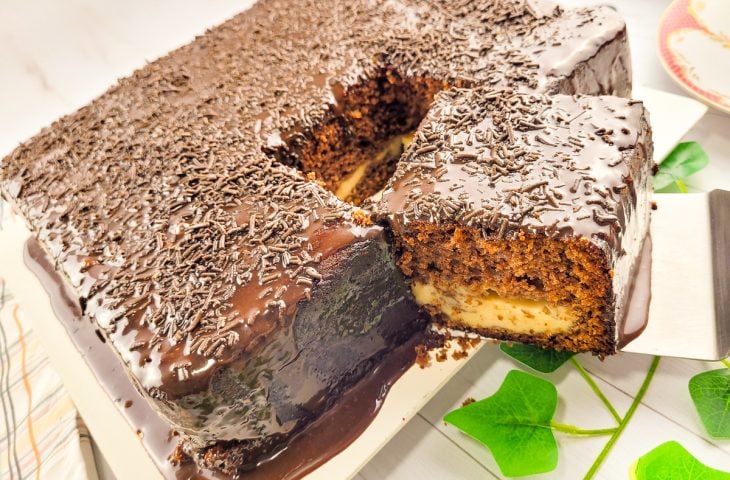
x=159 y=203
x=324 y=438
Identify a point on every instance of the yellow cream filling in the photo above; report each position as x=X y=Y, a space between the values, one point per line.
x=406 y=140
x=391 y=151
x=488 y=311
x=347 y=186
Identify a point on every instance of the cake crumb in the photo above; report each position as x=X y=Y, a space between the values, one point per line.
x=467 y=341
x=178 y=456
x=467 y=401
x=422 y=358
x=433 y=341
x=312 y=177
x=362 y=218
x=458 y=355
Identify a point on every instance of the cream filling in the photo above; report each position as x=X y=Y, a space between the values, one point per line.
x=391 y=150
x=406 y=139
x=347 y=186
x=490 y=311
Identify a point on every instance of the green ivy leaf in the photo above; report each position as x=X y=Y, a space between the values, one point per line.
x=686 y=159
x=671 y=461
x=710 y=391
x=545 y=360
x=514 y=424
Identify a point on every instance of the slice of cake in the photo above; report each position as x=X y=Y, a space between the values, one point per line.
x=521 y=217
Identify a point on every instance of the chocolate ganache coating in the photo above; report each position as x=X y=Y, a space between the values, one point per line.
x=505 y=161
x=223 y=277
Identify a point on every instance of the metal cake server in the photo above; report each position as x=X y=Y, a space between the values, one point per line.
x=689 y=312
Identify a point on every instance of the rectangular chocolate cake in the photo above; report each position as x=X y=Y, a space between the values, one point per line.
x=193 y=208
x=521 y=217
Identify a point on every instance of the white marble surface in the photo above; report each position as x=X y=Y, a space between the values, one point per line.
x=55 y=56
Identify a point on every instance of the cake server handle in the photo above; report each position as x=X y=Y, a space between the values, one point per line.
x=719 y=206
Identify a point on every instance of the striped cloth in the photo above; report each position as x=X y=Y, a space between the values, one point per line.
x=41 y=434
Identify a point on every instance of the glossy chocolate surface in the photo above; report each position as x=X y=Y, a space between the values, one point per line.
x=506 y=162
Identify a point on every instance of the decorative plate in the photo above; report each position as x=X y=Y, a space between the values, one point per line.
x=694 y=47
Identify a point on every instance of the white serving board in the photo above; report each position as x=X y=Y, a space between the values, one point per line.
x=671 y=116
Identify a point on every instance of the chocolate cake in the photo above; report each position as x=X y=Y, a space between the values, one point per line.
x=521 y=216
x=193 y=208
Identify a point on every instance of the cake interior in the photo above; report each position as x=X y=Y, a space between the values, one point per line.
x=355 y=151
x=546 y=291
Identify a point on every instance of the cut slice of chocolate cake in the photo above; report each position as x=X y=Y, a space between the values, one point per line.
x=521 y=217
